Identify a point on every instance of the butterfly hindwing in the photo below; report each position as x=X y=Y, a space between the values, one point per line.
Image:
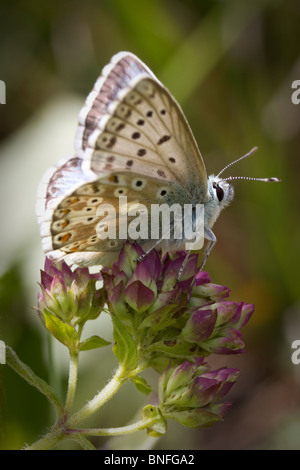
x=107 y=205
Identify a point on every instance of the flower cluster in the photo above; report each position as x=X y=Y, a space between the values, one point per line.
x=160 y=320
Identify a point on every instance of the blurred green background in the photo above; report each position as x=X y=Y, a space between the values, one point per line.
x=230 y=64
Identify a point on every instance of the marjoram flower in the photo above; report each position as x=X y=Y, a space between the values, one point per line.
x=67 y=300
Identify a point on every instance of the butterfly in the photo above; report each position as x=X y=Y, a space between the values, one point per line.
x=133 y=141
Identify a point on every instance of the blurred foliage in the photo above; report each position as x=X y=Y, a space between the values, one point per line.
x=24 y=411
x=230 y=64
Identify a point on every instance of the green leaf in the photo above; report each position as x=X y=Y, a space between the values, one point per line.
x=194 y=417
x=125 y=348
x=92 y=343
x=161 y=318
x=141 y=384
x=27 y=374
x=177 y=348
x=63 y=332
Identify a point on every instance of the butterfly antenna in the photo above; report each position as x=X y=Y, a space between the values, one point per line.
x=229 y=178
x=265 y=180
x=241 y=158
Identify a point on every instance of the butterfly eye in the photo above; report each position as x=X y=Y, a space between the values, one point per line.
x=219 y=191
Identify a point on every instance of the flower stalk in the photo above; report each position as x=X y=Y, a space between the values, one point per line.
x=72 y=381
x=100 y=398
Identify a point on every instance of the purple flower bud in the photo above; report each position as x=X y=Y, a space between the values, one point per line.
x=203 y=294
x=175 y=377
x=46 y=279
x=163 y=299
x=202 y=391
x=226 y=377
x=228 y=312
x=70 y=296
x=182 y=374
x=201 y=278
x=58 y=290
x=150 y=264
x=230 y=343
x=200 y=325
x=246 y=313
x=138 y=296
x=189 y=394
x=127 y=260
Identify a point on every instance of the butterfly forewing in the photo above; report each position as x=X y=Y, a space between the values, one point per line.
x=114 y=77
x=146 y=128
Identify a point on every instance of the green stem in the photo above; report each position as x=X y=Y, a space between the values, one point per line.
x=72 y=383
x=54 y=376
x=83 y=442
x=102 y=397
x=59 y=431
x=49 y=441
x=131 y=428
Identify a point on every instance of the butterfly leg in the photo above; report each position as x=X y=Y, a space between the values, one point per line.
x=183 y=264
x=140 y=258
x=212 y=240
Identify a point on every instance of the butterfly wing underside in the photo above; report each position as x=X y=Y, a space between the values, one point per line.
x=132 y=140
